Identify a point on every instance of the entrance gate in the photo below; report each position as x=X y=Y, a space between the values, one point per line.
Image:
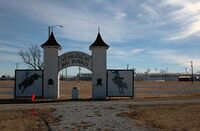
x=96 y=63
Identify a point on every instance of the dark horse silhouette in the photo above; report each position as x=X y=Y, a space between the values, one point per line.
x=118 y=81
x=28 y=81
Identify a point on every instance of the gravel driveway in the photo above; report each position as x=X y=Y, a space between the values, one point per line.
x=95 y=116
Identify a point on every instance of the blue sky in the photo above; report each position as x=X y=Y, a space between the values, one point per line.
x=162 y=34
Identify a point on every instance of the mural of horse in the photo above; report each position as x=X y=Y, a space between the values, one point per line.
x=118 y=80
x=28 y=81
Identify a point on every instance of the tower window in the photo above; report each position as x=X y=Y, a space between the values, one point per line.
x=50 y=82
x=99 y=81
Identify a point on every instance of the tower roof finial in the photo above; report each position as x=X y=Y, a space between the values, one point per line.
x=99 y=41
x=98 y=29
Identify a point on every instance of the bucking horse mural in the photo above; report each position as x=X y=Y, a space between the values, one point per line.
x=118 y=80
x=28 y=81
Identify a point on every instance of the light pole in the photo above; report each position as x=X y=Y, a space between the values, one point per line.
x=66 y=73
x=192 y=71
x=50 y=28
x=127 y=66
x=79 y=73
x=17 y=65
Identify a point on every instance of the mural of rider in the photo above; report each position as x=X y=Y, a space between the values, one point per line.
x=118 y=80
x=28 y=81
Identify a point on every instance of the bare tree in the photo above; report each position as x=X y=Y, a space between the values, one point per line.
x=32 y=56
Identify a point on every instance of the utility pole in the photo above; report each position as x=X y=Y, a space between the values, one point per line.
x=166 y=71
x=66 y=73
x=127 y=66
x=186 y=70
x=17 y=64
x=79 y=73
x=62 y=75
x=192 y=71
x=50 y=28
x=79 y=70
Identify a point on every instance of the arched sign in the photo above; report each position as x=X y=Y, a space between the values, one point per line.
x=75 y=58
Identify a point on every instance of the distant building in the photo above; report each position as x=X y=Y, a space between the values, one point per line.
x=82 y=76
x=3 y=77
x=185 y=78
x=86 y=76
x=164 y=77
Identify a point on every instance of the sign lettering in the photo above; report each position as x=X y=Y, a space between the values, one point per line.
x=75 y=58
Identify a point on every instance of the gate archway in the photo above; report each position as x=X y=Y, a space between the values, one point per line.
x=96 y=63
x=75 y=76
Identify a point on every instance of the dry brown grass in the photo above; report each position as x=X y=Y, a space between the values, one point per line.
x=170 y=117
x=7 y=82
x=24 y=120
x=85 y=89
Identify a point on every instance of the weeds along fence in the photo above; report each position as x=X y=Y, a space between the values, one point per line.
x=166 y=88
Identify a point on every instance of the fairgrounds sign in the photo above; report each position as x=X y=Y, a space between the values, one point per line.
x=75 y=58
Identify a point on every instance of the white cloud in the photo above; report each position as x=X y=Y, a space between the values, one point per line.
x=124 y=53
x=149 y=13
x=191 y=30
x=120 y=15
x=136 y=51
x=9 y=49
x=175 y=57
x=5 y=57
x=80 y=22
x=118 y=21
x=187 y=16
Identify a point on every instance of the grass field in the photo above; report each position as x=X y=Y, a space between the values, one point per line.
x=143 y=89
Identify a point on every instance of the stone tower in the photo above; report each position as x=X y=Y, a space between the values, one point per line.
x=50 y=79
x=99 y=68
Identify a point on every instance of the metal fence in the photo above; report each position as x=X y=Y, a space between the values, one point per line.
x=166 y=88
x=143 y=89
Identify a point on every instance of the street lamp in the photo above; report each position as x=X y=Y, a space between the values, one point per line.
x=50 y=28
x=127 y=66
x=192 y=72
x=17 y=65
